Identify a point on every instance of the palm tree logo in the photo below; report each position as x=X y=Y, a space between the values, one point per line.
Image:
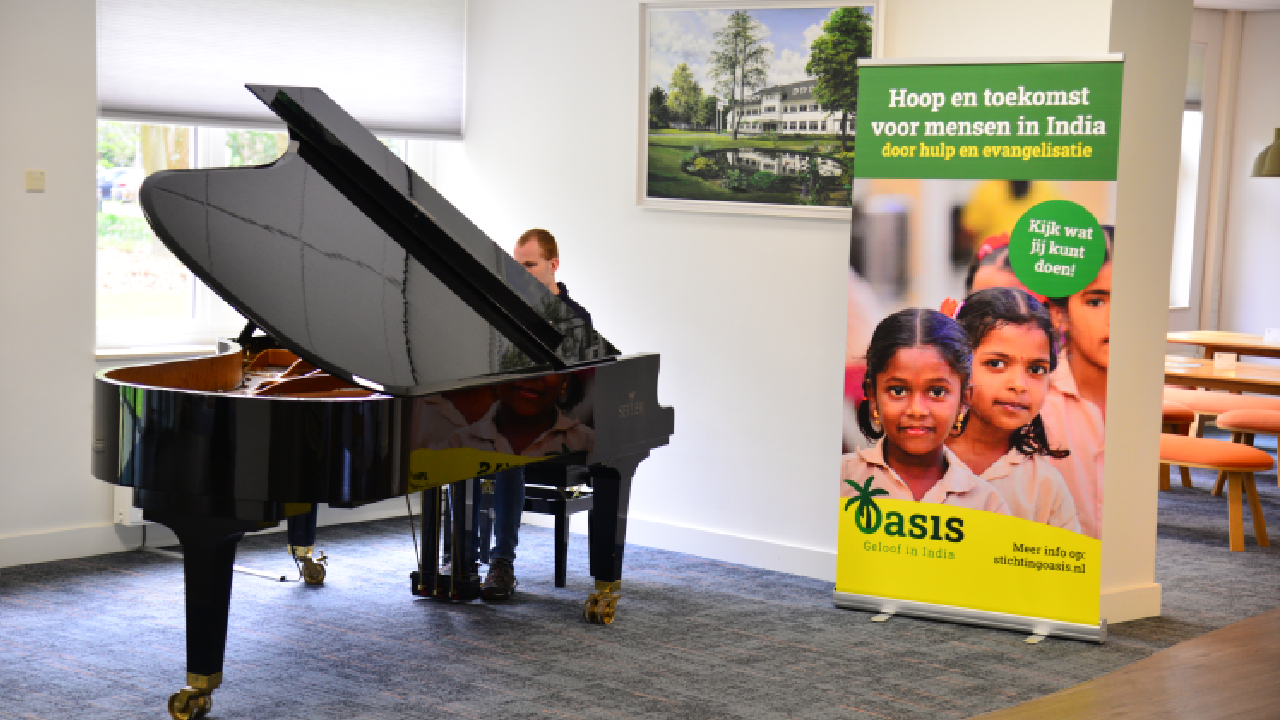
x=866 y=515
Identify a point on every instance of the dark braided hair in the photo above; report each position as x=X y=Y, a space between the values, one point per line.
x=1109 y=237
x=989 y=309
x=913 y=327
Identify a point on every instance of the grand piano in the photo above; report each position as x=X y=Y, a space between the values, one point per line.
x=390 y=306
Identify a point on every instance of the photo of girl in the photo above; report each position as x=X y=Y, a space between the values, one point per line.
x=1076 y=404
x=528 y=419
x=1004 y=441
x=990 y=267
x=917 y=387
x=436 y=417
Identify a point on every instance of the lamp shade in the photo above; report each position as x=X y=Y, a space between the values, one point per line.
x=1268 y=162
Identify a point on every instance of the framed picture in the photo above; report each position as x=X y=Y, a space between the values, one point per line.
x=748 y=107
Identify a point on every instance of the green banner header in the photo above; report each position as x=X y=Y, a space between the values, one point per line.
x=1004 y=121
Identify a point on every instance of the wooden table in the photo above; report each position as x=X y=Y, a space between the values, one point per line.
x=1246 y=377
x=1220 y=341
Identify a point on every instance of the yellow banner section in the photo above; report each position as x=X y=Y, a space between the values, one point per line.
x=980 y=560
x=433 y=468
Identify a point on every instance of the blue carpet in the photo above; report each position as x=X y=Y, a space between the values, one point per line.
x=102 y=637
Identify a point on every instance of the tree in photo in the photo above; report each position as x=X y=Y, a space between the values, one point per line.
x=740 y=63
x=659 y=116
x=833 y=59
x=685 y=100
x=710 y=111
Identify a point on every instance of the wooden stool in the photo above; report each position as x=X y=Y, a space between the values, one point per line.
x=1243 y=425
x=1239 y=462
x=1176 y=419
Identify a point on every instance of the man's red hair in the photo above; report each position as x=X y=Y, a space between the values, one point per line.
x=546 y=241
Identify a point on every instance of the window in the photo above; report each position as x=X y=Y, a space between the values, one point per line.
x=1184 y=227
x=771 y=108
x=804 y=108
x=145 y=295
x=400 y=66
x=823 y=125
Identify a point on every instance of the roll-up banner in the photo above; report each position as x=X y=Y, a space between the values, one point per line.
x=977 y=353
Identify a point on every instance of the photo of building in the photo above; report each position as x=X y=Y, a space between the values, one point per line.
x=790 y=108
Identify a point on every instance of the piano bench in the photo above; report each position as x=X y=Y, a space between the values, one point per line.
x=551 y=501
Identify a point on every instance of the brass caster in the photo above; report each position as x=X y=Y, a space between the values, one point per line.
x=600 y=608
x=313 y=570
x=190 y=704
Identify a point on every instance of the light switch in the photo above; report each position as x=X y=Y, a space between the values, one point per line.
x=35 y=181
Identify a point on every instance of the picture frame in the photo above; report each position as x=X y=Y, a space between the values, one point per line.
x=690 y=158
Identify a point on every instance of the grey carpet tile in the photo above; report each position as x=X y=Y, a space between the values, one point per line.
x=102 y=637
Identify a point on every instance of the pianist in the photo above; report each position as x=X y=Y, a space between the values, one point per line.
x=536 y=250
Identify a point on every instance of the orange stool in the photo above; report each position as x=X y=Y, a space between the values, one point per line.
x=1175 y=418
x=1243 y=425
x=1239 y=462
x=1209 y=402
x=1174 y=414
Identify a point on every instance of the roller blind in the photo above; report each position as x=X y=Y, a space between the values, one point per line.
x=396 y=65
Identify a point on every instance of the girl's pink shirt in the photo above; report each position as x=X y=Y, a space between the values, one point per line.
x=1033 y=489
x=1073 y=423
x=958 y=486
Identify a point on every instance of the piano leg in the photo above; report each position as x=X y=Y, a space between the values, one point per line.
x=426 y=580
x=208 y=552
x=464 y=581
x=460 y=509
x=302 y=546
x=607 y=523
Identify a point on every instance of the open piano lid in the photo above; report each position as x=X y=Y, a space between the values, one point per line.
x=351 y=260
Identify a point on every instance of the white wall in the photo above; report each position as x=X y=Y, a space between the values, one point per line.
x=52 y=506
x=1250 y=295
x=747 y=312
x=996 y=28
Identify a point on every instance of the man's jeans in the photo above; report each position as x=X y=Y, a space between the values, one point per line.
x=508 y=505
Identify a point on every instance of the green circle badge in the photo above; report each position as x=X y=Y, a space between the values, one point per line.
x=1057 y=248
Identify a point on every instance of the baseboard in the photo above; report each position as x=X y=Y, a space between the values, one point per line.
x=67 y=543
x=1131 y=603
x=739 y=549
x=1117 y=605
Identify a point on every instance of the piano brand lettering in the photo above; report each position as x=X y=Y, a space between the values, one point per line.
x=631 y=407
x=869 y=519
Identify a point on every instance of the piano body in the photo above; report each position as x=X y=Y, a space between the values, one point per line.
x=396 y=306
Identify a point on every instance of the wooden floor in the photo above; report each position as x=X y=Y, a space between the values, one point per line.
x=1232 y=673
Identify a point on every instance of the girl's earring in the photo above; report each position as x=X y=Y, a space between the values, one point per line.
x=875 y=420
x=958 y=427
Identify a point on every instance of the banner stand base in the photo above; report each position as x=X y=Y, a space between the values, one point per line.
x=1033 y=625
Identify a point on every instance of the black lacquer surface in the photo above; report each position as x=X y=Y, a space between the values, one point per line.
x=377 y=278
x=239 y=456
